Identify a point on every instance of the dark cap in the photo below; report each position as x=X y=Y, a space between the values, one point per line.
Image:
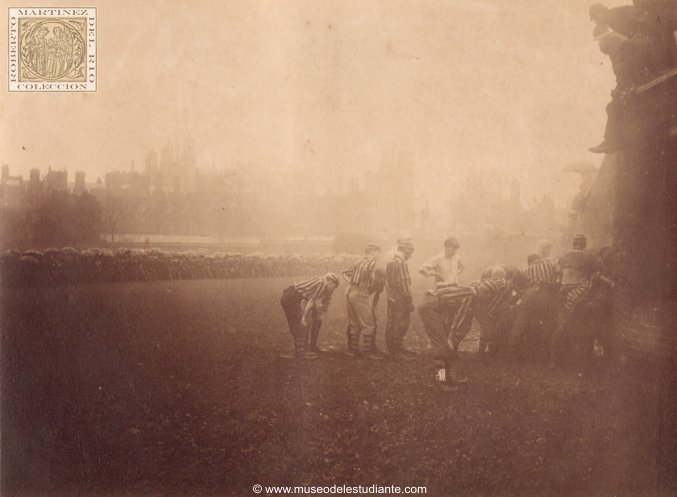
x=406 y=247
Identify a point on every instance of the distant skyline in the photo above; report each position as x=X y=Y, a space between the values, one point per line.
x=496 y=88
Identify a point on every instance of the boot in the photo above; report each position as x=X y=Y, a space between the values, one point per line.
x=305 y=355
x=441 y=382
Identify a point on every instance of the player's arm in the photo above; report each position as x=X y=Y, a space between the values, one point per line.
x=429 y=268
x=310 y=303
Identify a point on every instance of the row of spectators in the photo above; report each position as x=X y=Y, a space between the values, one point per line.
x=67 y=266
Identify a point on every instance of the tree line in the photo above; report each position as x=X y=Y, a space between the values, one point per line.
x=55 y=219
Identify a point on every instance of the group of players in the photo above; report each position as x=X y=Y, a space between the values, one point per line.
x=547 y=303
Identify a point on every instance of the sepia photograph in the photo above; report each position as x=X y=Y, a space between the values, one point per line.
x=268 y=247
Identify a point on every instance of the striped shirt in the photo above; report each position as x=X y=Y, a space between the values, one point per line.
x=362 y=271
x=311 y=289
x=541 y=271
x=462 y=298
x=398 y=280
x=576 y=293
x=491 y=295
x=494 y=292
x=448 y=267
x=570 y=293
x=453 y=294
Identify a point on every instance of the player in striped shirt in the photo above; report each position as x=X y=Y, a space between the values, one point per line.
x=494 y=297
x=359 y=306
x=541 y=270
x=452 y=303
x=578 y=268
x=377 y=286
x=536 y=311
x=304 y=305
x=400 y=300
x=401 y=237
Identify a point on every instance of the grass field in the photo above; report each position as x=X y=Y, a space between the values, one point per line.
x=181 y=388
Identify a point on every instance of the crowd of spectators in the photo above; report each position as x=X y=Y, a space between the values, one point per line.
x=68 y=266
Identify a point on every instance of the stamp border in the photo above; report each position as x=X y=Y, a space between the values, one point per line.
x=91 y=87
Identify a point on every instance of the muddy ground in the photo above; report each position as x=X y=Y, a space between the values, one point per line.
x=183 y=388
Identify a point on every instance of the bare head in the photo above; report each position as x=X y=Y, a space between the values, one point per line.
x=544 y=248
x=451 y=245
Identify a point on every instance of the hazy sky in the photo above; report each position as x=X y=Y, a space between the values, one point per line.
x=502 y=88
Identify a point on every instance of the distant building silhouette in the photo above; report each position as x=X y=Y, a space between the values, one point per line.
x=56 y=181
x=11 y=189
x=79 y=187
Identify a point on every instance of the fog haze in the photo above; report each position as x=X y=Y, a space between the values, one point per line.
x=495 y=90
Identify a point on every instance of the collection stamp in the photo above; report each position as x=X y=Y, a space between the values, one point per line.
x=52 y=49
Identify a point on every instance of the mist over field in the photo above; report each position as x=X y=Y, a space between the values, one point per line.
x=312 y=97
